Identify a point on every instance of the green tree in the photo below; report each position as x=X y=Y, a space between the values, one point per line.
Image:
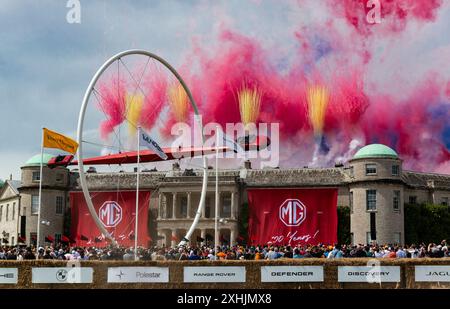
x=343 y=233
x=426 y=223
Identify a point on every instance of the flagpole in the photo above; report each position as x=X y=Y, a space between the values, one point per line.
x=38 y=234
x=216 y=228
x=137 y=195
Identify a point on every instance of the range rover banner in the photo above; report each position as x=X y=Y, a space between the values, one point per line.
x=214 y=274
x=292 y=216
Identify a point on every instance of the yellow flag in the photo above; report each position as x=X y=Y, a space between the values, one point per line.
x=59 y=141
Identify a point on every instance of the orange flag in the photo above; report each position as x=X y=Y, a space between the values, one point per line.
x=55 y=140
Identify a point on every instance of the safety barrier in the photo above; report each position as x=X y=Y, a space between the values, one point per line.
x=283 y=273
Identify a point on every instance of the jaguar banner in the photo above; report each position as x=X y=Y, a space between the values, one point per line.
x=117 y=212
x=292 y=216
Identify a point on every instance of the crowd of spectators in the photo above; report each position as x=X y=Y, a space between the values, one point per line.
x=237 y=252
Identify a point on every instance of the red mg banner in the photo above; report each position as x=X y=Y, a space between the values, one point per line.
x=116 y=210
x=292 y=216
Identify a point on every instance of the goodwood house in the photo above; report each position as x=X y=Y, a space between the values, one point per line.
x=285 y=206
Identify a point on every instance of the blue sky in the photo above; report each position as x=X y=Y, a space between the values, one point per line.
x=46 y=63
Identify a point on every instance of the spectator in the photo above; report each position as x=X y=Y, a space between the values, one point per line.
x=128 y=256
x=400 y=254
x=336 y=253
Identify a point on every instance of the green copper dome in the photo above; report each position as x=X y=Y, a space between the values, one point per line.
x=36 y=160
x=375 y=151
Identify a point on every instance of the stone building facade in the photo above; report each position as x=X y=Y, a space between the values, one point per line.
x=55 y=188
x=373 y=184
x=10 y=211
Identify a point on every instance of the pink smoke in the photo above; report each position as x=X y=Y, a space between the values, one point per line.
x=413 y=119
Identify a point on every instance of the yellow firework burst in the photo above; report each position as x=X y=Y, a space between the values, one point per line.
x=317 y=98
x=249 y=104
x=179 y=103
x=134 y=104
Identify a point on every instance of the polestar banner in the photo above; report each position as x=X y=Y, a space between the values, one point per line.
x=292 y=216
x=117 y=211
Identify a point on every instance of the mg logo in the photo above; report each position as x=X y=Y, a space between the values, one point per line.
x=110 y=213
x=292 y=212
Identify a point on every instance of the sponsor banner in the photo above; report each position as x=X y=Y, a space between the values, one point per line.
x=370 y=274
x=8 y=275
x=214 y=274
x=62 y=274
x=116 y=211
x=292 y=216
x=138 y=274
x=52 y=139
x=291 y=273
x=435 y=273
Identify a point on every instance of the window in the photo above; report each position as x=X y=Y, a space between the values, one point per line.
x=397 y=238
x=395 y=170
x=444 y=201
x=34 y=204
x=7 y=212
x=371 y=169
x=371 y=200
x=183 y=206
x=396 y=200
x=14 y=210
x=36 y=176
x=226 y=207
x=208 y=213
x=412 y=199
x=59 y=205
x=59 y=177
x=351 y=201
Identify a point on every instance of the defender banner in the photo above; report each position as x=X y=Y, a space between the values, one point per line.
x=292 y=216
x=116 y=210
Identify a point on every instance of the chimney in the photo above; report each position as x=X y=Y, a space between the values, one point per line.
x=248 y=165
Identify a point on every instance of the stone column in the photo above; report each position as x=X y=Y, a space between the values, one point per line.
x=160 y=206
x=188 y=205
x=203 y=235
x=233 y=210
x=174 y=204
x=173 y=241
x=219 y=206
x=160 y=240
x=232 y=236
x=204 y=209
